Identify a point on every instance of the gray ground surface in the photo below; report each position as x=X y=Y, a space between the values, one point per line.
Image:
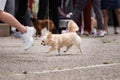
x=100 y=60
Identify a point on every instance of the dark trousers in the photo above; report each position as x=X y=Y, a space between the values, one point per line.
x=97 y=9
x=22 y=12
x=53 y=13
x=42 y=12
x=10 y=7
x=80 y=5
x=115 y=21
x=86 y=17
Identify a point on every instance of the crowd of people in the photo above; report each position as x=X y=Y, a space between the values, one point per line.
x=18 y=14
x=82 y=12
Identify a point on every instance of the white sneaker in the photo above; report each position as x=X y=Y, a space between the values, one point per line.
x=69 y=15
x=99 y=33
x=94 y=31
x=105 y=32
x=28 y=37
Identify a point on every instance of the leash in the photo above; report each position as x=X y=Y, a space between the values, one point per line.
x=48 y=17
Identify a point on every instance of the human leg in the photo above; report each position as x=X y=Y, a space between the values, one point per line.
x=21 y=10
x=27 y=32
x=105 y=19
x=43 y=4
x=117 y=12
x=53 y=14
x=98 y=13
x=87 y=18
x=97 y=9
x=79 y=22
x=8 y=18
x=23 y=13
x=80 y=4
x=10 y=7
x=115 y=21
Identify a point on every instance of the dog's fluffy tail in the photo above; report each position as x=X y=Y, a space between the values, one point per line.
x=72 y=26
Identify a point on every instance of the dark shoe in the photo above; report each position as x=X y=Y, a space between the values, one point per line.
x=116 y=32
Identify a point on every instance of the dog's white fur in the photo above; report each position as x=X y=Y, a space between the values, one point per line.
x=57 y=41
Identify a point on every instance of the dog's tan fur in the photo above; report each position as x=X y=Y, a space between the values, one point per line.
x=72 y=26
x=93 y=23
x=40 y=24
x=57 y=41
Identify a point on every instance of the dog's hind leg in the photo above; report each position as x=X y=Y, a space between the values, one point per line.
x=81 y=50
x=78 y=46
x=58 y=52
x=67 y=48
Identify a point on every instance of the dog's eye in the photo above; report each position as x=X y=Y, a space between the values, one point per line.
x=43 y=41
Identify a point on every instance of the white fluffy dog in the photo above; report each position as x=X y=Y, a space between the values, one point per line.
x=57 y=41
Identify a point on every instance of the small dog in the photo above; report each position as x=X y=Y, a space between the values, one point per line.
x=40 y=24
x=57 y=41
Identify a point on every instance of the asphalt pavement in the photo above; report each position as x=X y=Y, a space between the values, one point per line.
x=100 y=60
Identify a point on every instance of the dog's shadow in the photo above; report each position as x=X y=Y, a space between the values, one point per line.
x=60 y=55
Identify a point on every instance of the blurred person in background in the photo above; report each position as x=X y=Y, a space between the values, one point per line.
x=114 y=5
x=22 y=12
x=65 y=7
x=42 y=9
x=10 y=7
x=54 y=15
x=80 y=5
x=84 y=21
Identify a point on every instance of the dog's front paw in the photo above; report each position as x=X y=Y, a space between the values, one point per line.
x=64 y=51
x=46 y=52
